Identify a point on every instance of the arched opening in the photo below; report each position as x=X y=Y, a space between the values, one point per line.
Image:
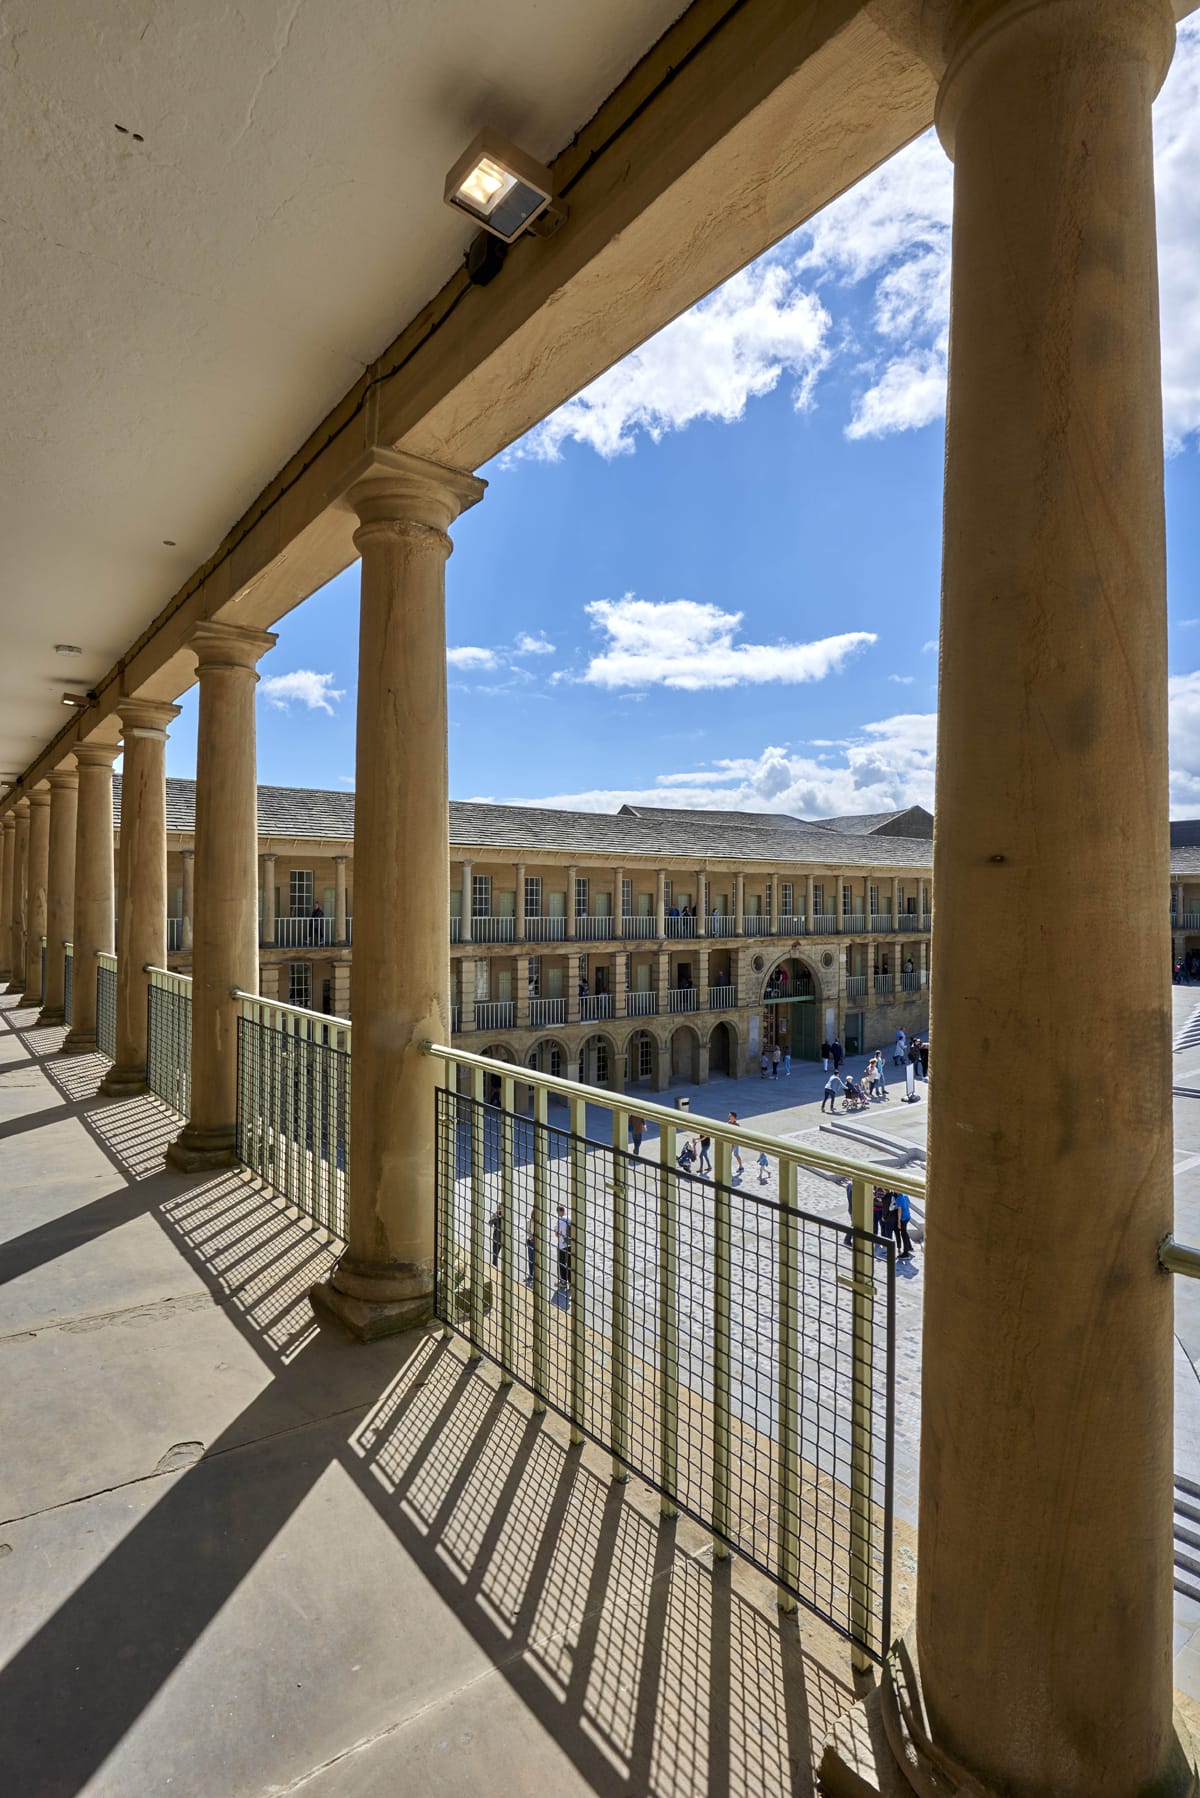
x=642 y=1050
x=549 y=1057
x=684 y=1057
x=598 y=1061
x=790 y=1010
x=722 y=1050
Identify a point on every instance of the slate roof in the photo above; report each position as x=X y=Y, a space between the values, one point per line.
x=914 y=821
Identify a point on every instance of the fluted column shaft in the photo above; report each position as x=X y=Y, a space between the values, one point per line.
x=16 y=982
x=8 y=831
x=36 y=879
x=92 y=922
x=225 y=932
x=141 y=883
x=60 y=887
x=384 y=1281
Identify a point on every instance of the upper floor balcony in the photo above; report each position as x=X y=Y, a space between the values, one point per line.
x=651 y=927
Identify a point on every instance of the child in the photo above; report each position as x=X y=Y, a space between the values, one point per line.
x=764 y=1166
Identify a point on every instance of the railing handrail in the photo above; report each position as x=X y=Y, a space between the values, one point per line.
x=817 y=1159
x=1179 y=1257
x=105 y=958
x=298 y=1011
x=169 y=977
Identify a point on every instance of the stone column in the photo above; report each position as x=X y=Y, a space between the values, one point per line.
x=60 y=887
x=572 y=916
x=269 y=975
x=1043 y=1640
x=660 y=903
x=37 y=877
x=701 y=904
x=464 y=932
x=141 y=884
x=384 y=1281
x=8 y=827
x=339 y=899
x=266 y=934
x=225 y=947
x=521 y=991
x=92 y=923
x=187 y=861
x=16 y=982
x=618 y=902
x=739 y=905
x=519 y=902
x=808 y=904
x=620 y=983
x=341 y=988
x=466 y=993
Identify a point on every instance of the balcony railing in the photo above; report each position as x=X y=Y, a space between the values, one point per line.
x=856 y=986
x=883 y=983
x=169 y=1039
x=722 y=924
x=174 y=935
x=641 y=1005
x=293 y=1122
x=693 y=1370
x=679 y=926
x=303 y=933
x=455 y=930
x=545 y=930
x=910 y=981
x=547 y=1011
x=494 y=1014
x=595 y=1005
x=455 y=1019
x=683 y=998
x=789 y=924
x=881 y=922
x=106 y=1004
x=594 y=930
x=854 y=923
x=756 y=923
x=493 y=930
x=722 y=998
x=825 y=923
x=639 y=928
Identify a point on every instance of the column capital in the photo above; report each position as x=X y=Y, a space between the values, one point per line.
x=337 y=858
x=146 y=717
x=188 y=854
x=218 y=645
x=268 y=855
x=9 y=821
x=965 y=33
x=21 y=808
x=406 y=494
x=40 y=795
x=96 y=755
x=63 y=778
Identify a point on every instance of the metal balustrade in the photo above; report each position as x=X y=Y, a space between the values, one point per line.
x=854 y=922
x=494 y=1014
x=68 y=982
x=641 y=1005
x=545 y=930
x=911 y=982
x=106 y=1005
x=756 y=923
x=174 y=935
x=593 y=1006
x=883 y=983
x=547 y=1011
x=790 y=925
x=639 y=929
x=683 y=998
x=731 y=1346
x=926 y=921
x=856 y=986
x=493 y=930
x=907 y=920
x=455 y=1019
x=881 y=922
x=594 y=930
x=679 y=926
x=722 y=924
x=169 y=1039
x=303 y=933
x=826 y=923
x=293 y=1122
x=722 y=998
x=456 y=930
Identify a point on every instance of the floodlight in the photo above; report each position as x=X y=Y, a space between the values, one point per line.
x=501 y=188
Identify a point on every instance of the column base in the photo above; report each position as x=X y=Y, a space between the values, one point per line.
x=372 y=1301
x=882 y=1747
x=51 y=1014
x=197 y=1151
x=80 y=1042
x=31 y=1000
x=123 y=1083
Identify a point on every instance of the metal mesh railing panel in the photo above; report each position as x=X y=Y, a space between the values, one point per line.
x=106 y=1010
x=731 y=1349
x=169 y=1056
x=293 y=1127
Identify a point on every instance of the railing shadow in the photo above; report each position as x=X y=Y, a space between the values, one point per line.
x=653 y=1670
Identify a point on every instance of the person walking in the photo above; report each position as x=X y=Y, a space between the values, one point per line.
x=530 y=1250
x=835 y=1086
x=705 y=1165
x=825 y=1052
x=562 y=1234
x=838 y=1053
x=637 y=1129
x=764 y=1168
x=900 y=1052
x=776 y=1058
x=881 y=1205
x=497 y=1223
x=787 y=1061
x=764 y=1062
x=880 y=1082
x=923 y=1051
x=901 y=1214
x=736 y=1152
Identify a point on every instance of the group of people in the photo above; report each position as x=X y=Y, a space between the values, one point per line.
x=913 y=1049
x=891 y=1215
x=772 y=1060
x=562 y=1243
x=1186 y=969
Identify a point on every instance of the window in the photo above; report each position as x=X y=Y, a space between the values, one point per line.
x=627 y=898
x=601 y=1064
x=300 y=892
x=483 y=976
x=873 y=900
x=645 y=1055
x=535 y=976
x=481 y=895
x=847 y=896
x=300 y=981
x=581 y=897
x=533 y=895
x=666 y=895
x=785 y=899
x=818 y=900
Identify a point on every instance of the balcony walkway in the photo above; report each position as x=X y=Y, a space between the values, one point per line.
x=242 y=1555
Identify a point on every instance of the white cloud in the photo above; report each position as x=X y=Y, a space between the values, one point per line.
x=301 y=687
x=888 y=765
x=929 y=648
x=1177 y=205
x=538 y=645
x=732 y=347
x=1186 y=624
x=467 y=655
x=902 y=680
x=684 y=644
x=1183 y=700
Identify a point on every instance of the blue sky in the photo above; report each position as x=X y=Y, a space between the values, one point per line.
x=717 y=570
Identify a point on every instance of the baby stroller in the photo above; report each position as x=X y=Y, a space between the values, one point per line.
x=686 y=1158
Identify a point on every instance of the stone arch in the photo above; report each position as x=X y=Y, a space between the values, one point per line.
x=642 y=1064
x=723 y=1049
x=685 y=1052
x=542 y=1052
x=600 y=1060
x=794 y=1010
